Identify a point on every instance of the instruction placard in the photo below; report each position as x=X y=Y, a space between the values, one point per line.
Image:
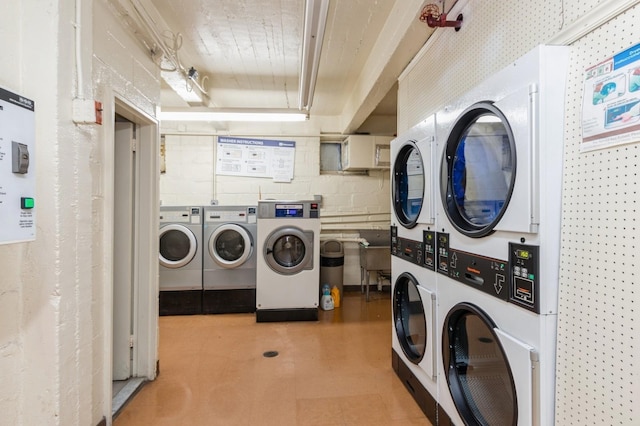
x=264 y=158
x=17 y=168
x=611 y=101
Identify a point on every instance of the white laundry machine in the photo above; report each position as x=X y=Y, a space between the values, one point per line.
x=413 y=192
x=180 y=257
x=229 y=261
x=288 y=265
x=414 y=342
x=498 y=243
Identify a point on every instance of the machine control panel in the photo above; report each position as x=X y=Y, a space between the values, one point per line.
x=523 y=276
x=288 y=209
x=442 y=253
x=429 y=241
x=483 y=273
x=409 y=250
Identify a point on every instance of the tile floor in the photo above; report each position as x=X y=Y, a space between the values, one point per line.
x=336 y=371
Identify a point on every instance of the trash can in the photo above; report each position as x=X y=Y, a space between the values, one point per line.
x=331 y=264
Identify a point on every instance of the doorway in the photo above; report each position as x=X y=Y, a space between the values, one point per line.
x=135 y=253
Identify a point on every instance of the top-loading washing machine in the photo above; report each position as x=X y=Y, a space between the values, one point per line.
x=413 y=192
x=229 y=260
x=288 y=265
x=498 y=243
x=180 y=257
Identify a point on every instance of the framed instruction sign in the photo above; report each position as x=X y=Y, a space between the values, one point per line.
x=611 y=101
x=263 y=158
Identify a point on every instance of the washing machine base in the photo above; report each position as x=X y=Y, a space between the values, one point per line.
x=183 y=302
x=232 y=301
x=276 y=315
x=423 y=398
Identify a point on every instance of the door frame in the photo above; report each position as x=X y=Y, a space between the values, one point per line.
x=145 y=318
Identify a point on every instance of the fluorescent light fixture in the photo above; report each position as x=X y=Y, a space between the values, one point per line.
x=315 y=20
x=247 y=115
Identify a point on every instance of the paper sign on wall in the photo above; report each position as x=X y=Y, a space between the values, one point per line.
x=611 y=101
x=262 y=158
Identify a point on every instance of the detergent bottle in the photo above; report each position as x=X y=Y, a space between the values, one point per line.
x=335 y=295
x=326 y=301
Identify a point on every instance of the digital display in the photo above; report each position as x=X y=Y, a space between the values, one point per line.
x=523 y=254
x=289 y=210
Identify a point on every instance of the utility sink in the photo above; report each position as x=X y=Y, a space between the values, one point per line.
x=374 y=257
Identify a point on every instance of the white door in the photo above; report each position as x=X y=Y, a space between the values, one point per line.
x=124 y=251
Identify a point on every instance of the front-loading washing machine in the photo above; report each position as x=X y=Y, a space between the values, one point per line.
x=414 y=342
x=413 y=192
x=498 y=239
x=229 y=260
x=288 y=265
x=180 y=257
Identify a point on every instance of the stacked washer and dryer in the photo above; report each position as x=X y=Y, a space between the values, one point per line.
x=413 y=280
x=497 y=249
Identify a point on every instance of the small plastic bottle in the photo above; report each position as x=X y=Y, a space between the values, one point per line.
x=335 y=295
x=326 y=301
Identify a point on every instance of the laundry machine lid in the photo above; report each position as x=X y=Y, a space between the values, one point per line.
x=178 y=246
x=478 y=170
x=409 y=318
x=230 y=245
x=477 y=368
x=289 y=250
x=408 y=185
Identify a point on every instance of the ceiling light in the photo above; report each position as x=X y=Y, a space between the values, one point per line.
x=246 y=115
x=315 y=19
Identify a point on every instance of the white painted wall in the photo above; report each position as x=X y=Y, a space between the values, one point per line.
x=54 y=292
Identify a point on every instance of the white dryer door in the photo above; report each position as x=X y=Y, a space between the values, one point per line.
x=289 y=250
x=489 y=373
x=230 y=245
x=178 y=246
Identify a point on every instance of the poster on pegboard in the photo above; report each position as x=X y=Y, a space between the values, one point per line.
x=611 y=101
x=263 y=158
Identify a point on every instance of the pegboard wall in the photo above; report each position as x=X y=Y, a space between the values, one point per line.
x=598 y=360
x=598 y=351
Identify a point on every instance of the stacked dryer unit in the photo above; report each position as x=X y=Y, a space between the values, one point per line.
x=414 y=343
x=498 y=244
x=180 y=257
x=229 y=259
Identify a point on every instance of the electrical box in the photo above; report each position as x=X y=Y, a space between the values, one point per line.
x=17 y=168
x=365 y=152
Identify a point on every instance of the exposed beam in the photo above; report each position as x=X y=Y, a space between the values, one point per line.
x=400 y=39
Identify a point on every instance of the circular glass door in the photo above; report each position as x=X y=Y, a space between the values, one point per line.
x=230 y=245
x=408 y=185
x=177 y=246
x=289 y=250
x=477 y=369
x=409 y=318
x=478 y=170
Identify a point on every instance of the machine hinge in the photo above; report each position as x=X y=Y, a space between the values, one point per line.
x=130 y=341
x=134 y=145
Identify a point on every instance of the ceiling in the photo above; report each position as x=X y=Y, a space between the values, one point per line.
x=247 y=53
